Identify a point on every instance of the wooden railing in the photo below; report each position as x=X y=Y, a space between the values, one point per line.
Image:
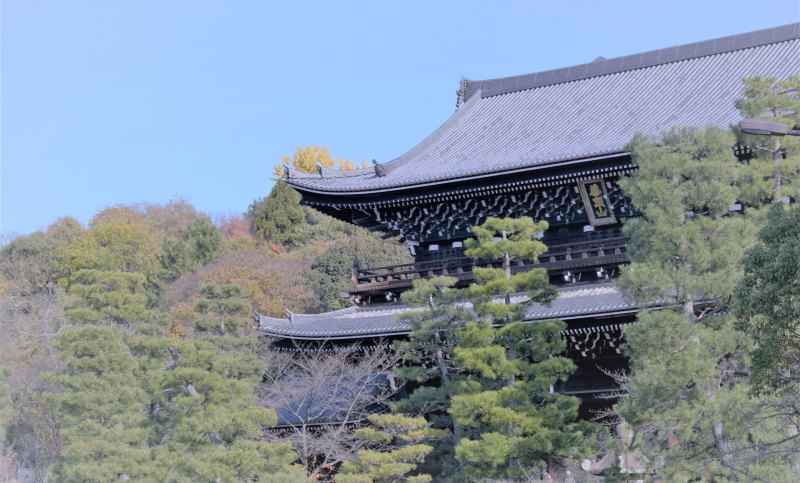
x=603 y=252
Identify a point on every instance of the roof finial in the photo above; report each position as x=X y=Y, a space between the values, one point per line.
x=289 y=315
x=287 y=171
x=319 y=170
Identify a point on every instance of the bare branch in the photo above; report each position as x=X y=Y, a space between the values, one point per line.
x=322 y=395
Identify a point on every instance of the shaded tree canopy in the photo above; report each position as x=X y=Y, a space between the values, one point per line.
x=767 y=297
x=35 y=262
x=193 y=246
x=278 y=217
x=330 y=272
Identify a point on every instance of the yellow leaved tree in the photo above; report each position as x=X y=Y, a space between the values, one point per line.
x=306 y=159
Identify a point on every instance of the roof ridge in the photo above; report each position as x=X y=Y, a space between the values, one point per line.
x=505 y=85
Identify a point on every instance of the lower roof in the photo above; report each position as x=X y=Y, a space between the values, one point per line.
x=359 y=322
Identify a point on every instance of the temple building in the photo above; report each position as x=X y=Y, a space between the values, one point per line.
x=549 y=145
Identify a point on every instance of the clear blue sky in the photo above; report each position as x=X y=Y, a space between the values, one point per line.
x=108 y=102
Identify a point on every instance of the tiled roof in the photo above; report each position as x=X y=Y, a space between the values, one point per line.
x=340 y=324
x=356 y=322
x=578 y=301
x=580 y=112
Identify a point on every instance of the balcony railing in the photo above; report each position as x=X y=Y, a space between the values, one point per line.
x=606 y=252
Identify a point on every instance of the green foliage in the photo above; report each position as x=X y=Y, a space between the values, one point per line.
x=688 y=396
x=507 y=238
x=126 y=401
x=688 y=400
x=278 y=217
x=197 y=418
x=512 y=421
x=429 y=358
x=397 y=447
x=775 y=173
x=112 y=245
x=31 y=313
x=6 y=404
x=330 y=272
x=302 y=227
x=109 y=297
x=206 y=417
x=321 y=228
x=207 y=420
x=767 y=97
x=686 y=246
x=194 y=246
x=768 y=300
x=101 y=407
x=36 y=262
x=489 y=379
x=223 y=308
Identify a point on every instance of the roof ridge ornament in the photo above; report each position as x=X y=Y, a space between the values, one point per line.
x=380 y=170
x=287 y=171
x=461 y=92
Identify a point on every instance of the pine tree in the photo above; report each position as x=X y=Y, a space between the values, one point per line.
x=766 y=308
x=278 y=217
x=101 y=404
x=513 y=420
x=429 y=358
x=686 y=245
x=775 y=171
x=101 y=408
x=194 y=246
x=687 y=396
x=491 y=373
x=330 y=272
x=397 y=444
x=205 y=415
x=110 y=298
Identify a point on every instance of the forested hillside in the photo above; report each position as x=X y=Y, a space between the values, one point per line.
x=127 y=350
x=127 y=345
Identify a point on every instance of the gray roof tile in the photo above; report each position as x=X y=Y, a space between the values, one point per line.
x=355 y=322
x=529 y=121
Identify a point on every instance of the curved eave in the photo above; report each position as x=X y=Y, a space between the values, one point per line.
x=466 y=178
x=575 y=303
x=333 y=337
x=377 y=334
